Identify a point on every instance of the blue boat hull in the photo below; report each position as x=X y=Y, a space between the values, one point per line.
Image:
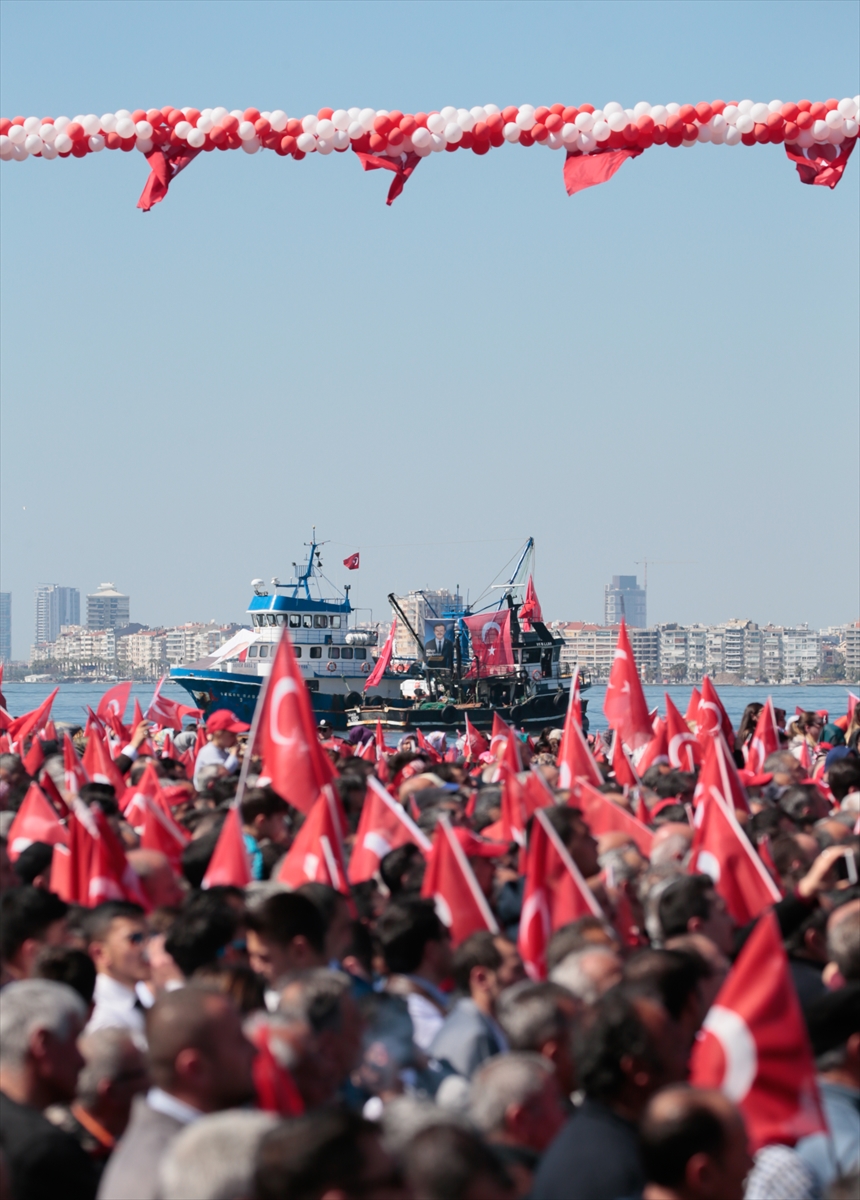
x=211 y=690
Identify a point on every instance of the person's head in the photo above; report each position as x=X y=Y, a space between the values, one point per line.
x=833 y=1021
x=803 y=804
x=540 y=1017
x=843 y=776
x=414 y=941
x=244 y=987
x=694 y=1146
x=402 y=870
x=223 y=728
x=570 y=826
x=678 y=978
x=588 y=973
x=581 y=934
x=30 y=919
x=785 y=768
x=809 y=725
x=514 y=1099
x=748 y=722
x=792 y=858
x=843 y=940
x=316 y=1032
x=484 y=965
x=285 y=933
x=214 y=1158
x=202 y=932
x=671 y=843
x=197 y=1050
x=445 y=1162
x=40 y=1022
x=718 y=963
x=334 y=908
x=114 y=1072
x=439 y=632
x=627 y=1049
x=33 y=865
x=691 y=905
x=117 y=941
x=265 y=815
x=65 y=964
x=157 y=877
x=326 y=1155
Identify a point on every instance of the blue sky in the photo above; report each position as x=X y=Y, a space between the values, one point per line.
x=662 y=367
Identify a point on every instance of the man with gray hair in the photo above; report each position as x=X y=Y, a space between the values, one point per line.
x=514 y=1102
x=843 y=940
x=588 y=973
x=40 y=1022
x=214 y=1159
x=540 y=1017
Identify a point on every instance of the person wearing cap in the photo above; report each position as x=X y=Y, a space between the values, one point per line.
x=834 y=1030
x=222 y=727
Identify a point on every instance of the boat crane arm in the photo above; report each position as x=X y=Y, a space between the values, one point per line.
x=392 y=600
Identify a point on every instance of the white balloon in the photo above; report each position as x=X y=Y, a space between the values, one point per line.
x=18 y=135
x=144 y=145
x=745 y=123
x=306 y=142
x=107 y=123
x=774 y=106
x=63 y=143
x=526 y=118
x=569 y=133
x=642 y=109
x=526 y=108
x=421 y=139
x=851 y=127
x=718 y=135
x=144 y=129
x=423 y=151
x=598 y=115
x=205 y=123
x=478 y=113
x=182 y=128
x=310 y=122
x=367 y=116
x=703 y=134
x=617 y=121
x=91 y=124
x=820 y=131
x=340 y=119
x=805 y=139
x=584 y=122
x=61 y=122
x=672 y=108
x=196 y=138
x=717 y=121
x=491 y=109
x=554 y=141
x=31 y=124
x=586 y=142
x=612 y=107
x=745 y=106
x=847 y=107
x=602 y=131
x=123 y=112
x=436 y=122
x=466 y=121
x=731 y=113
x=6 y=148
x=688 y=144
x=33 y=144
x=235 y=112
x=278 y=120
x=325 y=129
x=354 y=114
x=759 y=113
x=96 y=143
x=340 y=139
x=511 y=132
x=18 y=152
x=125 y=127
x=48 y=152
x=448 y=114
x=659 y=113
x=356 y=130
x=218 y=115
x=47 y=133
x=834 y=119
x=437 y=143
x=733 y=135
x=452 y=132
x=250 y=145
x=837 y=137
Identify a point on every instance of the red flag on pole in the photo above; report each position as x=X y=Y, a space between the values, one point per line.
x=575 y=760
x=499 y=735
x=685 y=752
x=93 y=867
x=586 y=170
x=622 y=767
x=352 y=563
x=34 y=758
x=713 y=716
x=602 y=815
x=691 y=716
x=530 y=609
x=765 y=739
x=316 y=856
x=168 y=713
x=451 y=883
x=35 y=821
x=574 y=702
x=491 y=644
x=114 y=702
x=384 y=825
x=229 y=865
x=624 y=706
x=657 y=750
x=31 y=723
x=555 y=894
x=719 y=771
x=75 y=775
x=475 y=743
x=100 y=767
x=755 y=1048
x=384 y=661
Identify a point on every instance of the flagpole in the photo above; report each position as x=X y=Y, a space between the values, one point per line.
x=252 y=734
x=562 y=851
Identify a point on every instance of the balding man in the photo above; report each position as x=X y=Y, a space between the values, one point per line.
x=694 y=1147
x=199 y=1062
x=671 y=844
x=159 y=880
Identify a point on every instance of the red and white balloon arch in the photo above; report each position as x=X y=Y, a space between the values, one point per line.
x=818 y=135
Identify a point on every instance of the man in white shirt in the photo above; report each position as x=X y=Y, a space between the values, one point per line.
x=117 y=945
x=222 y=727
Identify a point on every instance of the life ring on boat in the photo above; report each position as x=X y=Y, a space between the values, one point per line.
x=537 y=673
x=331 y=666
x=365 y=668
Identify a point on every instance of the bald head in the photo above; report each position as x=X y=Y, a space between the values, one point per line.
x=181 y=1020
x=694 y=1144
x=671 y=843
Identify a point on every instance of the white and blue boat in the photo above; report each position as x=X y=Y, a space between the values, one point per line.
x=334 y=654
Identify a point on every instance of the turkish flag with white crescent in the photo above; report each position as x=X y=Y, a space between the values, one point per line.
x=765 y=738
x=384 y=825
x=450 y=882
x=719 y=771
x=229 y=865
x=755 y=1048
x=169 y=713
x=353 y=562
x=555 y=894
x=575 y=760
x=75 y=775
x=293 y=760
x=657 y=750
x=475 y=743
x=35 y=821
x=491 y=643
x=499 y=735
x=100 y=767
x=713 y=716
x=685 y=753
x=624 y=705
x=622 y=768
x=93 y=867
x=316 y=855
x=31 y=723
x=114 y=701
x=530 y=609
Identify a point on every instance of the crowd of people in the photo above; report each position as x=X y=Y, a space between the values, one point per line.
x=317 y=1043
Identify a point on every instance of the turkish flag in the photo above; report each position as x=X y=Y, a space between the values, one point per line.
x=755 y=1048
x=822 y=168
x=722 y=850
x=499 y=735
x=574 y=759
x=316 y=855
x=512 y=824
x=92 y=866
x=403 y=166
x=75 y=775
x=491 y=644
x=475 y=743
x=168 y=713
x=35 y=821
x=383 y=662
x=114 y=701
x=713 y=716
x=100 y=767
x=719 y=771
x=691 y=716
x=624 y=705
x=164 y=165
x=287 y=740
x=530 y=609
x=34 y=758
x=603 y=815
x=229 y=865
x=657 y=750
x=685 y=753
x=451 y=883
x=622 y=767
x=384 y=825
x=586 y=170
x=425 y=749
x=148 y=810
x=574 y=703
x=765 y=738
x=555 y=894
x=352 y=563
x=31 y=723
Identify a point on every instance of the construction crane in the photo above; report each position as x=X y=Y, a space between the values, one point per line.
x=662 y=562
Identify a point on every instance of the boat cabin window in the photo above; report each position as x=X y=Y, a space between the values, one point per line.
x=252 y=652
x=259 y=619
x=335 y=622
x=264 y=651
x=334 y=651
x=280 y=618
x=320 y=622
x=316 y=651
x=307 y=621
x=271 y=619
x=297 y=650
x=346 y=651
x=295 y=621
x=360 y=652
x=531 y=656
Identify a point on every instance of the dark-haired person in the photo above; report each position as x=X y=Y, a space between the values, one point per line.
x=265 y=829
x=483 y=966
x=33 y=865
x=203 y=933
x=416 y=947
x=66 y=964
x=30 y=919
x=402 y=870
x=444 y=1162
x=694 y=1147
x=117 y=945
x=286 y=933
x=334 y=908
x=843 y=775
x=691 y=905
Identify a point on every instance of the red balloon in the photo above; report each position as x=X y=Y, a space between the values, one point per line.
x=818 y=111
x=80 y=149
x=421 y=120
x=139 y=114
x=175 y=116
x=325 y=114
x=382 y=125
x=495 y=122
x=630 y=133
x=262 y=126
x=155 y=117
x=217 y=134
x=805 y=119
x=748 y=139
x=18 y=120
x=252 y=114
x=541 y=115
x=674 y=140
x=789 y=111
x=558 y=109
x=362 y=144
x=661 y=135
x=775 y=121
x=645 y=124
x=497 y=138
x=569 y=115
x=466 y=141
x=831 y=104
x=539 y=132
x=5 y=125
x=408 y=125
x=645 y=138
x=804 y=105
x=687 y=113
x=125 y=144
x=454 y=145
x=589 y=108
x=791 y=131
x=208 y=145
x=193 y=115
x=288 y=143
x=113 y=141
x=377 y=141
x=395 y=137
x=718 y=106
x=691 y=131
x=75 y=131
x=554 y=122
x=230 y=124
x=704 y=112
x=294 y=126
x=526 y=138
x=616 y=140
x=481 y=147
x=510 y=113
x=394 y=117
x=166 y=111
x=298 y=155
x=762 y=133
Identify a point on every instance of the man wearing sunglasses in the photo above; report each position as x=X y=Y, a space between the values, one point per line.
x=117 y=945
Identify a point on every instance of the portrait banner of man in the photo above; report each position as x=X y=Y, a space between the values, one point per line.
x=439 y=642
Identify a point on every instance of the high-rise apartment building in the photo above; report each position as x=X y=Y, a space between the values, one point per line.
x=107 y=608
x=5 y=627
x=623 y=597
x=416 y=606
x=55 y=607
